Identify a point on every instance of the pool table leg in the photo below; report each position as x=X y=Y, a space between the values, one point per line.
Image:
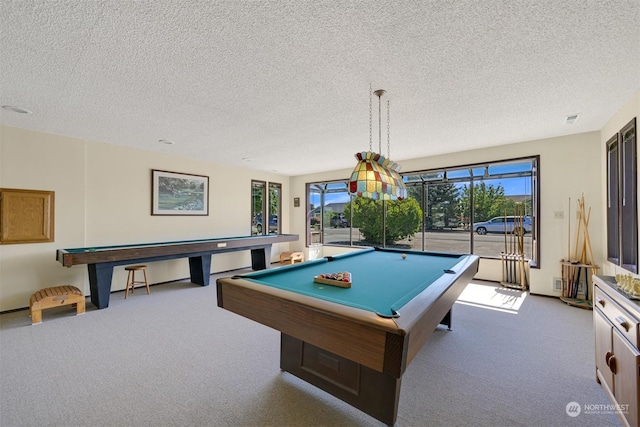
x=374 y=393
x=447 y=320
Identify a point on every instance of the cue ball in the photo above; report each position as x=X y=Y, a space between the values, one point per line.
x=404 y=256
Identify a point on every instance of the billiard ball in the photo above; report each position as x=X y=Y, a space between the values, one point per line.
x=404 y=256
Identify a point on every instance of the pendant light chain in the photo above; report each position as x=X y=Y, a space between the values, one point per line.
x=380 y=93
x=370 y=119
x=388 y=133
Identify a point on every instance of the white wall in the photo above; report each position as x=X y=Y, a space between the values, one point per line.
x=103 y=197
x=570 y=166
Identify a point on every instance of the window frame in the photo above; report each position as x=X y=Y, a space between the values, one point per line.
x=440 y=175
x=265 y=212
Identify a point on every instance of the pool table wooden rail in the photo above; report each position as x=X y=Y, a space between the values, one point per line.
x=349 y=332
x=383 y=344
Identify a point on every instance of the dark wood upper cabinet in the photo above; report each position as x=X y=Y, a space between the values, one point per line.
x=628 y=202
x=613 y=211
x=622 y=206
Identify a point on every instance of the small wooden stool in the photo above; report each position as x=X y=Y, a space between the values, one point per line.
x=291 y=256
x=131 y=278
x=54 y=297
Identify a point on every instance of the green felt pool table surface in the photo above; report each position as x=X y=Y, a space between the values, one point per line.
x=382 y=280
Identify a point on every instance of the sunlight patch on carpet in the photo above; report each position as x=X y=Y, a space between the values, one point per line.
x=492 y=297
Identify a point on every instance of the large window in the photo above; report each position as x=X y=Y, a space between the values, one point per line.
x=266 y=202
x=483 y=209
x=326 y=214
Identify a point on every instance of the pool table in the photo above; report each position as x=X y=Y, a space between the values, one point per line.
x=101 y=260
x=356 y=342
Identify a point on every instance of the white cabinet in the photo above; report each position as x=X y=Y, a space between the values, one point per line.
x=616 y=326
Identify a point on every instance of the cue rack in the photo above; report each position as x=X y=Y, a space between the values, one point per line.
x=577 y=269
x=514 y=273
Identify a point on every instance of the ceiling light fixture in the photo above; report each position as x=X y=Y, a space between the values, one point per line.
x=376 y=177
x=166 y=142
x=16 y=109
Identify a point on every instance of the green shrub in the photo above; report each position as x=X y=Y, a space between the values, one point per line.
x=403 y=219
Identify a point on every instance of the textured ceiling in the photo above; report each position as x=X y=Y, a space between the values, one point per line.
x=285 y=84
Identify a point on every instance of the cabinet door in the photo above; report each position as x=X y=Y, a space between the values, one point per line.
x=604 y=346
x=627 y=363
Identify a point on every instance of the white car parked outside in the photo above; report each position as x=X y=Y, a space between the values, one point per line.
x=497 y=225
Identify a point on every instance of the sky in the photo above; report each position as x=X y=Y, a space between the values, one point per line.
x=512 y=187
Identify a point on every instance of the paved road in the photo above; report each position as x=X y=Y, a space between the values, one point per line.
x=445 y=241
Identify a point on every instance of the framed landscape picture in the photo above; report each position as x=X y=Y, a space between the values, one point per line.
x=175 y=193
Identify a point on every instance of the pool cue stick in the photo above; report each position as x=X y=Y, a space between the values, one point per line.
x=505 y=261
x=583 y=256
x=562 y=268
x=511 y=251
x=511 y=267
x=504 y=229
x=569 y=249
x=512 y=239
x=578 y=282
x=587 y=239
x=588 y=254
x=575 y=253
x=576 y=270
x=521 y=234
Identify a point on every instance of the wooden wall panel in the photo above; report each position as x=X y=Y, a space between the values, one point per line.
x=26 y=216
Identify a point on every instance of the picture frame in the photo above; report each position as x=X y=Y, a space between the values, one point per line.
x=177 y=193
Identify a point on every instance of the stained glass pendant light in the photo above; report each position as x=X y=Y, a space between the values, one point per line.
x=376 y=177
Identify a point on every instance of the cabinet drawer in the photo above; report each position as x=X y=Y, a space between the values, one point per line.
x=621 y=319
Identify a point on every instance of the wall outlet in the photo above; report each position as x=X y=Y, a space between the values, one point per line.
x=558 y=214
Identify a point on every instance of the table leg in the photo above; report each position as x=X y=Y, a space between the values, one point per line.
x=261 y=258
x=447 y=320
x=200 y=269
x=100 y=276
